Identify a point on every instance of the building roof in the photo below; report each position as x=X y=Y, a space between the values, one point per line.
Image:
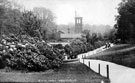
x=61 y=32
x=70 y=36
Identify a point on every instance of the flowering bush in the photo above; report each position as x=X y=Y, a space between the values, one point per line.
x=30 y=54
x=78 y=47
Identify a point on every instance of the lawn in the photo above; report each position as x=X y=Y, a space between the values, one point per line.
x=119 y=54
x=69 y=72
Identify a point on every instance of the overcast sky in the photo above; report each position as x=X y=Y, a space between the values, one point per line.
x=92 y=11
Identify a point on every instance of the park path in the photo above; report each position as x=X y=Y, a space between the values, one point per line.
x=117 y=73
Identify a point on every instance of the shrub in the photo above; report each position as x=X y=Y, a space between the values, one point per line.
x=78 y=46
x=29 y=54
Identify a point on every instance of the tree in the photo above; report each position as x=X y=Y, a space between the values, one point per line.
x=88 y=37
x=110 y=35
x=1 y=16
x=48 y=25
x=126 y=21
x=9 y=17
x=30 y=24
x=91 y=38
x=85 y=32
x=11 y=21
x=2 y=12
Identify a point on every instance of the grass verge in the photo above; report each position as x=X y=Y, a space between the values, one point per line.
x=69 y=72
x=119 y=54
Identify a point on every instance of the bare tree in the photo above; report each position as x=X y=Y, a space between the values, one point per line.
x=48 y=25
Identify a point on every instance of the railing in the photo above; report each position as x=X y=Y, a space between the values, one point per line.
x=116 y=73
x=102 y=69
x=97 y=67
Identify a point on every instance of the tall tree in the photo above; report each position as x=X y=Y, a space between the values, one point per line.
x=47 y=17
x=9 y=17
x=30 y=24
x=126 y=21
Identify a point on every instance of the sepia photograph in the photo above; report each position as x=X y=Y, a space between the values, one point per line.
x=67 y=41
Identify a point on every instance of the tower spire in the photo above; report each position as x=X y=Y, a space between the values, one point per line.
x=78 y=23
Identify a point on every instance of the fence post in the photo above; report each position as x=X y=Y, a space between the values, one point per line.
x=83 y=59
x=99 y=68
x=89 y=64
x=107 y=66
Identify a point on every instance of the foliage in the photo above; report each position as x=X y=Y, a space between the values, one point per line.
x=29 y=54
x=21 y=46
x=47 y=22
x=76 y=47
x=126 y=21
x=91 y=42
x=110 y=35
x=9 y=17
x=96 y=39
x=36 y=23
x=91 y=38
x=30 y=24
x=98 y=44
x=59 y=46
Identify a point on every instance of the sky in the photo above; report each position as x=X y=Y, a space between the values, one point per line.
x=94 y=12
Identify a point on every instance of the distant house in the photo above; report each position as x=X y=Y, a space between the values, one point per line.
x=68 y=37
x=61 y=32
x=57 y=34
